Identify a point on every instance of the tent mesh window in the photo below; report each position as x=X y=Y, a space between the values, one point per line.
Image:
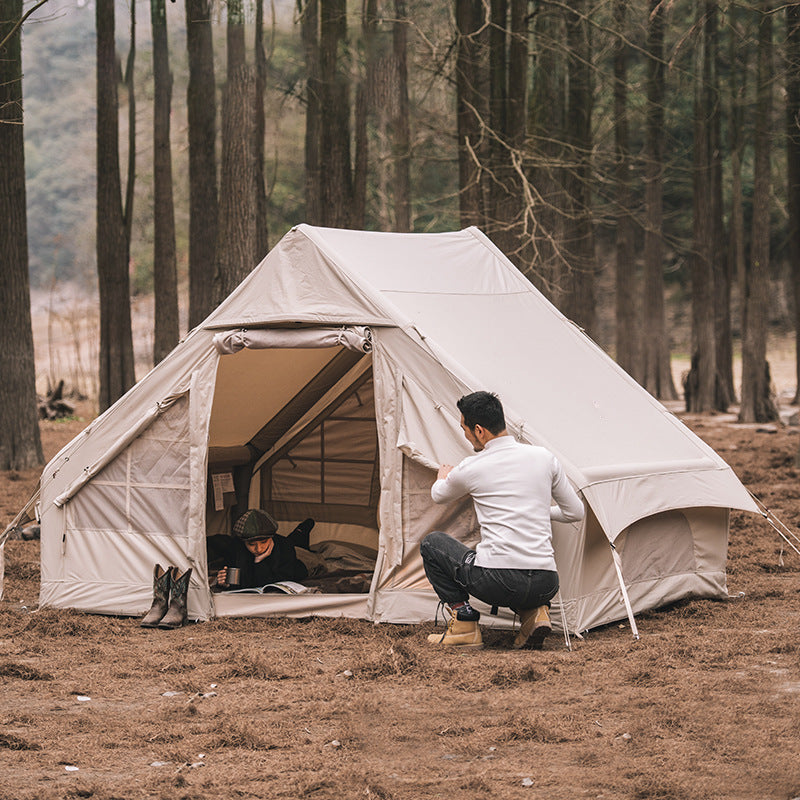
x=329 y=469
x=146 y=488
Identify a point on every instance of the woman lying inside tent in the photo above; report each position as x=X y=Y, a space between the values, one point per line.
x=259 y=554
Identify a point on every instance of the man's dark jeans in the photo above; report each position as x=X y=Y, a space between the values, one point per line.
x=451 y=570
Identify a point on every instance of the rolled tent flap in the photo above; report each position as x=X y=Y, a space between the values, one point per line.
x=357 y=338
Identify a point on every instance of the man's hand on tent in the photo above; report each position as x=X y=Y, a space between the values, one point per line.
x=444 y=471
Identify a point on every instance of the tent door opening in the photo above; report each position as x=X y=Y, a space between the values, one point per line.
x=293 y=432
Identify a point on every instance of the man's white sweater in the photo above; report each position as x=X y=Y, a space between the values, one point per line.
x=513 y=486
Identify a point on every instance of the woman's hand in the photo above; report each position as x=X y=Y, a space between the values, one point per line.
x=222 y=577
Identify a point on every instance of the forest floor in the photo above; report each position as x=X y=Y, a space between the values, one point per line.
x=705 y=706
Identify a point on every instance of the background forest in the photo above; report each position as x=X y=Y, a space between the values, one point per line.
x=632 y=157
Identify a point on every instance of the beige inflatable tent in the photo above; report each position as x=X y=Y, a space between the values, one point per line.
x=325 y=386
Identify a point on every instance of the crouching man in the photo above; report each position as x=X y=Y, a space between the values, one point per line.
x=512 y=486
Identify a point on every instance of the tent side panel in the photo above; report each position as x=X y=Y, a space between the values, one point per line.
x=99 y=551
x=665 y=558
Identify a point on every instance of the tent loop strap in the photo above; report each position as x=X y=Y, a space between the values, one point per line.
x=623 y=590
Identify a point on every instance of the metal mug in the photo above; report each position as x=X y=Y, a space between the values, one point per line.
x=234 y=576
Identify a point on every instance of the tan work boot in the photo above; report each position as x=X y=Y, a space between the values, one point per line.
x=459 y=633
x=534 y=627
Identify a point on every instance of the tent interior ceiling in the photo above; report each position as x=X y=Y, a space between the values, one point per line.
x=253 y=386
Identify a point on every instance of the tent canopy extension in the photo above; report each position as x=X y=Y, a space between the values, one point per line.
x=325 y=386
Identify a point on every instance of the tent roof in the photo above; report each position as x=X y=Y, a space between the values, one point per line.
x=458 y=299
x=461 y=296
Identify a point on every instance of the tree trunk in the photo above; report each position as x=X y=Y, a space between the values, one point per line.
x=116 y=344
x=579 y=299
x=699 y=388
x=236 y=238
x=338 y=194
x=737 y=90
x=262 y=229
x=470 y=111
x=309 y=31
x=165 y=277
x=656 y=368
x=400 y=128
x=627 y=307
x=545 y=209
x=130 y=178
x=508 y=56
x=365 y=101
x=202 y=115
x=20 y=444
x=757 y=404
x=793 y=167
x=720 y=264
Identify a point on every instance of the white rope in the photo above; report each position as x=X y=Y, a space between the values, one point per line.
x=780 y=527
x=625 y=599
x=564 y=621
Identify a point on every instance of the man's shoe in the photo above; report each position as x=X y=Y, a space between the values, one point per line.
x=463 y=633
x=534 y=627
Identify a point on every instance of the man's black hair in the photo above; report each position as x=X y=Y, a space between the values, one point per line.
x=484 y=409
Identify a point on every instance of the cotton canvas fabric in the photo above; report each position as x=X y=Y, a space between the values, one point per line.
x=447 y=314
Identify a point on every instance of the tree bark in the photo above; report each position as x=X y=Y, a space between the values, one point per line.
x=201 y=104
x=338 y=193
x=699 y=388
x=627 y=307
x=116 y=343
x=579 y=299
x=737 y=92
x=545 y=209
x=471 y=111
x=400 y=126
x=757 y=404
x=720 y=264
x=508 y=56
x=165 y=271
x=309 y=32
x=793 y=167
x=20 y=444
x=262 y=229
x=656 y=368
x=365 y=101
x=236 y=237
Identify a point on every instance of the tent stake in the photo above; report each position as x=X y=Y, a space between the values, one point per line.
x=625 y=599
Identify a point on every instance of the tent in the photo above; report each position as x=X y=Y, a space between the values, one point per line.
x=325 y=386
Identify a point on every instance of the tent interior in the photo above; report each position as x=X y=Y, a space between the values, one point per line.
x=293 y=431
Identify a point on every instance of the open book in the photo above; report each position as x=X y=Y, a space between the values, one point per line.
x=279 y=587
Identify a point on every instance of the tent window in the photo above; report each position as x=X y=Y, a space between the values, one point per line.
x=330 y=470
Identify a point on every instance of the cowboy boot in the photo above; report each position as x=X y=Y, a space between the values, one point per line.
x=176 y=614
x=162 y=578
x=534 y=627
x=463 y=633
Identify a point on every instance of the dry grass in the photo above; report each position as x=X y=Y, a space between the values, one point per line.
x=706 y=706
